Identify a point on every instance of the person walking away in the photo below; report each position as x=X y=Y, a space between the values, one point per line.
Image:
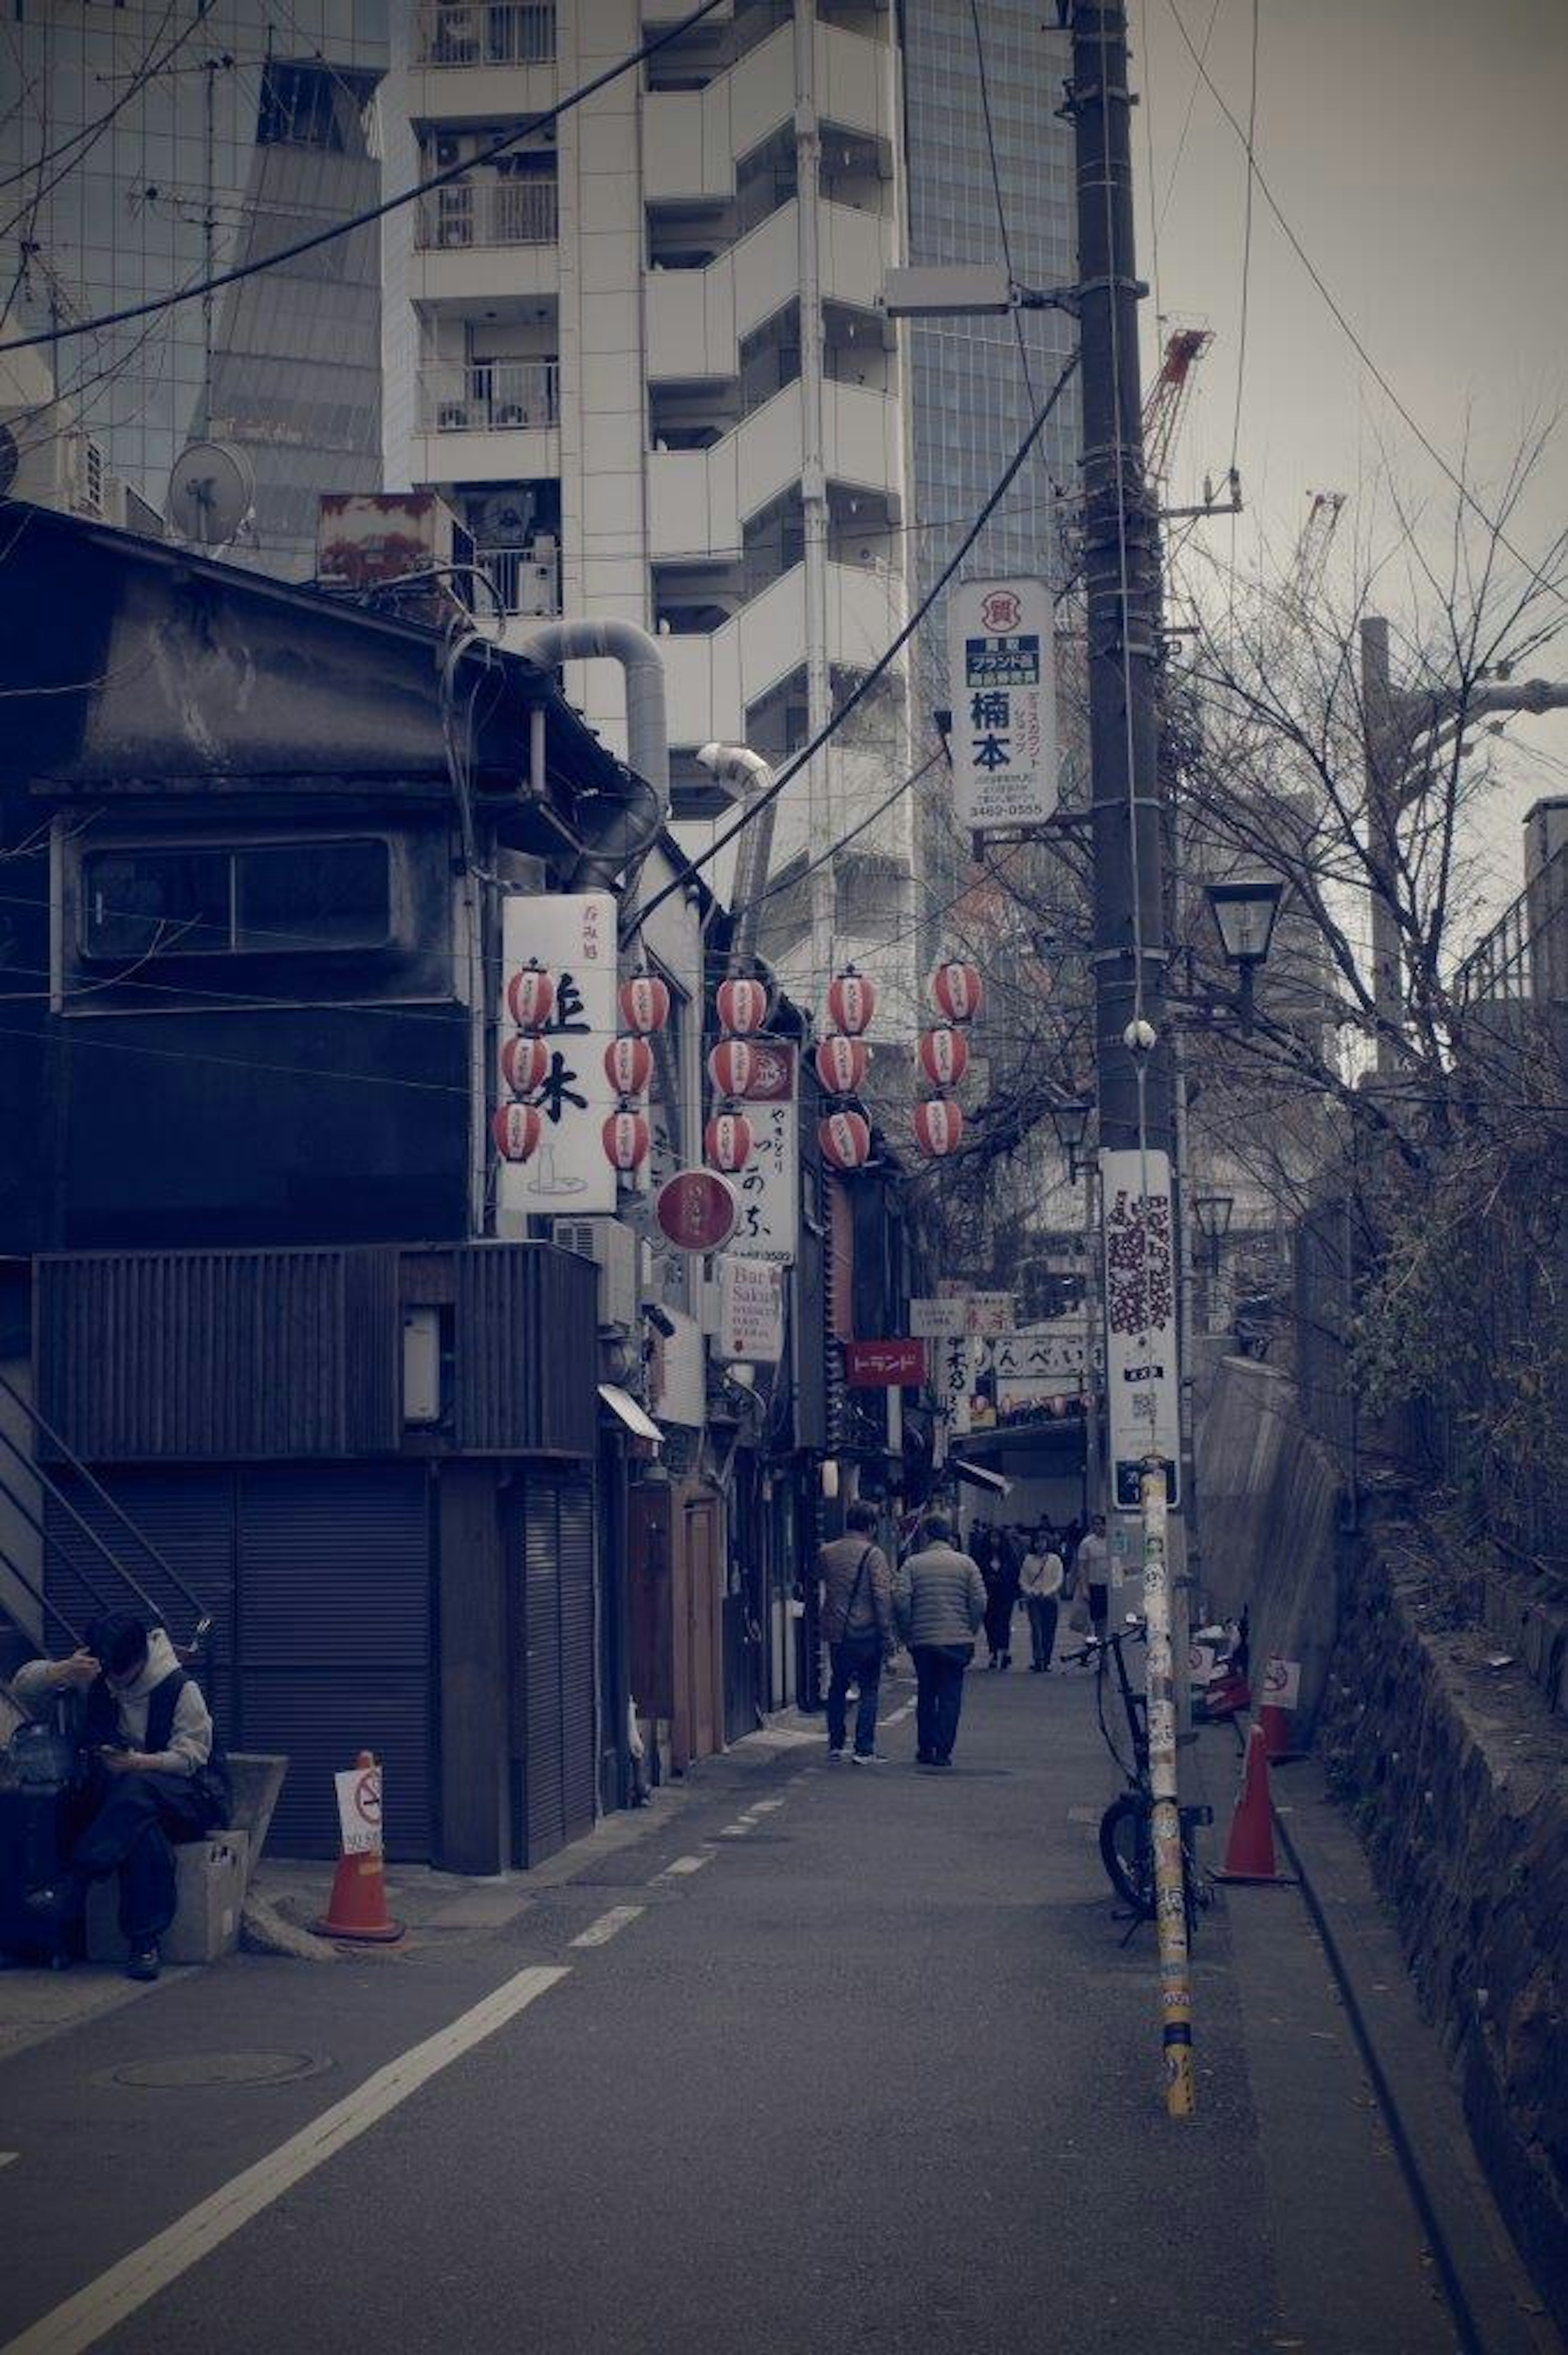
x=1001 y=1577
x=857 y=1626
x=941 y=1601
x=1092 y=1573
x=157 y=1775
x=1039 y=1583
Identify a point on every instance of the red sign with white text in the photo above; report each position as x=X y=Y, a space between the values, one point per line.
x=884 y=1365
x=697 y=1210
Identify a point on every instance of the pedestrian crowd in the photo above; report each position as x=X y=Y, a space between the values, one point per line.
x=938 y=1601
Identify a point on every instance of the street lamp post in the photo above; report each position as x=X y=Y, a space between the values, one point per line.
x=1246 y=909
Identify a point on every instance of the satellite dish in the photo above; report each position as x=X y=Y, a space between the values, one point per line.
x=211 y=492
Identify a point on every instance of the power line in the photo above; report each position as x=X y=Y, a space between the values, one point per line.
x=1256 y=171
x=1246 y=245
x=232 y=277
x=1000 y=207
x=884 y=662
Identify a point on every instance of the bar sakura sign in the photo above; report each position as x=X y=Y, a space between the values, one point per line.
x=751 y=1310
x=884 y=1365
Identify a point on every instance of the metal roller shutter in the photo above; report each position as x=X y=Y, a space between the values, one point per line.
x=335 y=1641
x=579 y=1713
x=542 y=1640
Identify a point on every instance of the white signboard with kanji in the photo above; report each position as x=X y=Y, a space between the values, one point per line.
x=937 y=1320
x=952 y=1375
x=768 y=1187
x=751 y=1310
x=1002 y=684
x=573 y=937
x=991 y=1313
x=1142 y=1378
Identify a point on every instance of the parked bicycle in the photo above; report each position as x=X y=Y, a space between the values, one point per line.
x=1126 y=1827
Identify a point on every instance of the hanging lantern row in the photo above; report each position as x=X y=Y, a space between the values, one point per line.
x=626 y=1140
x=842 y=1065
x=644 y=1003
x=844 y=1137
x=957 y=990
x=524 y=1062
x=629 y=1066
x=727 y=1141
x=938 y=1124
x=531 y=995
x=851 y=1002
x=516 y=1129
x=742 y=1007
x=944 y=1057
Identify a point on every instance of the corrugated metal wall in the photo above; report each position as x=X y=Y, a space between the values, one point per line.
x=526 y=1343
x=560 y=1732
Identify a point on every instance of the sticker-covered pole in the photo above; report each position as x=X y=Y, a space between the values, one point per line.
x=1165 y=1820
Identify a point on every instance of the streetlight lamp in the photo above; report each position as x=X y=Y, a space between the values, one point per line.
x=1070 y=1119
x=1244 y=910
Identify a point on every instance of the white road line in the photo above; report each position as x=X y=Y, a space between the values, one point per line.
x=764 y=1806
x=896 y=1716
x=737 y=1831
x=7 y=2156
x=106 y=2303
x=601 y=1933
x=683 y=1864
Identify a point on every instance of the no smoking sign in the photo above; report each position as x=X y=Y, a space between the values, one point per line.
x=359 y=1810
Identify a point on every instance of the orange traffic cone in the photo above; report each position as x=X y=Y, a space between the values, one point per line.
x=357 y=1909
x=1274 y=1724
x=1249 y=1850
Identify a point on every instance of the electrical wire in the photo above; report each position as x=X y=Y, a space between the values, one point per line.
x=1246 y=247
x=1341 y=321
x=884 y=662
x=158 y=304
x=1000 y=207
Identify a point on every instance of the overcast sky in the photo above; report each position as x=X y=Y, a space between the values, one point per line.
x=1419 y=149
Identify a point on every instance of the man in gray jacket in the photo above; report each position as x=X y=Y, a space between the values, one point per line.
x=940 y=1602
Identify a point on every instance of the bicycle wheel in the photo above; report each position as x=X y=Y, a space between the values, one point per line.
x=1126 y=1852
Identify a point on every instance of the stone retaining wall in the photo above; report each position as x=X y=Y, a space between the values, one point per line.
x=1456 y=1774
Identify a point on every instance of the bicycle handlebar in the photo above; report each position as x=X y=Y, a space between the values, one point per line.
x=1136 y=1633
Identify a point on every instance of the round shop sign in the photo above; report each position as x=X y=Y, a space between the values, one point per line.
x=697 y=1210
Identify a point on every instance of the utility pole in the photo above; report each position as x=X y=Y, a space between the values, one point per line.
x=1384 y=771
x=1133 y=1062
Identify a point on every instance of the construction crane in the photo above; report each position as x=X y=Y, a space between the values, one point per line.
x=1308 y=565
x=1163 y=412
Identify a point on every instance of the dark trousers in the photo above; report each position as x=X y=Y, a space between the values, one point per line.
x=1099 y=1607
x=129 y=1833
x=857 y=1661
x=1041 y=1628
x=939 y=1682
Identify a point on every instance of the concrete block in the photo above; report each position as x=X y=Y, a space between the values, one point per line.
x=211 y=1876
x=256 y=1781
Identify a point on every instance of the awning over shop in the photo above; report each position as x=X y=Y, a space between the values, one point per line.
x=995 y=1483
x=625 y=1408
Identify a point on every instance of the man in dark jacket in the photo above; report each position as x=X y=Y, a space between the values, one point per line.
x=940 y=1602
x=156 y=1774
x=857 y=1627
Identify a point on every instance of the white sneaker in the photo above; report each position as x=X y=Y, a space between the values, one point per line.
x=866 y=1757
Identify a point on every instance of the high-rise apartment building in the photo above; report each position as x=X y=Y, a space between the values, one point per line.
x=641 y=355
x=149 y=148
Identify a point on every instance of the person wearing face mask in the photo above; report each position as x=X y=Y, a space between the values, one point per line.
x=156 y=1774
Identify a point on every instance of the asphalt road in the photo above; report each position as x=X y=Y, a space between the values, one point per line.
x=870 y=2068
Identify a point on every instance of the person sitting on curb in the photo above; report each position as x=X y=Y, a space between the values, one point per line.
x=155 y=1774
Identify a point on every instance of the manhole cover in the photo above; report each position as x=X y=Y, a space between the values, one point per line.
x=180 y=2071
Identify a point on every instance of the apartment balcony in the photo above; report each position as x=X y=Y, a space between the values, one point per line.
x=455 y=33
x=696 y=318
x=700 y=499
x=485 y=241
x=692 y=139
x=490 y=421
x=713 y=676
x=489 y=212
x=524 y=586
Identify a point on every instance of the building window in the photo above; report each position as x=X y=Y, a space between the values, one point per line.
x=244 y=900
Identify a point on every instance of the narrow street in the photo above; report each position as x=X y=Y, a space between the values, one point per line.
x=822 y=2055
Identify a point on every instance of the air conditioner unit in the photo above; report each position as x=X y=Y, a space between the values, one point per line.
x=46 y=458
x=615 y=1251
x=448 y=150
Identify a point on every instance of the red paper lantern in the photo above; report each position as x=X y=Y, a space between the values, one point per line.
x=731 y=1067
x=726 y=1141
x=957 y=990
x=531 y=996
x=841 y=1065
x=627 y=1139
x=944 y=1057
x=938 y=1124
x=644 y=1003
x=516 y=1129
x=851 y=1002
x=629 y=1066
x=845 y=1139
x=742 y=1007
x=524 y=1063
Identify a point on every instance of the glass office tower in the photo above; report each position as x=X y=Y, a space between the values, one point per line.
x=152 y=145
